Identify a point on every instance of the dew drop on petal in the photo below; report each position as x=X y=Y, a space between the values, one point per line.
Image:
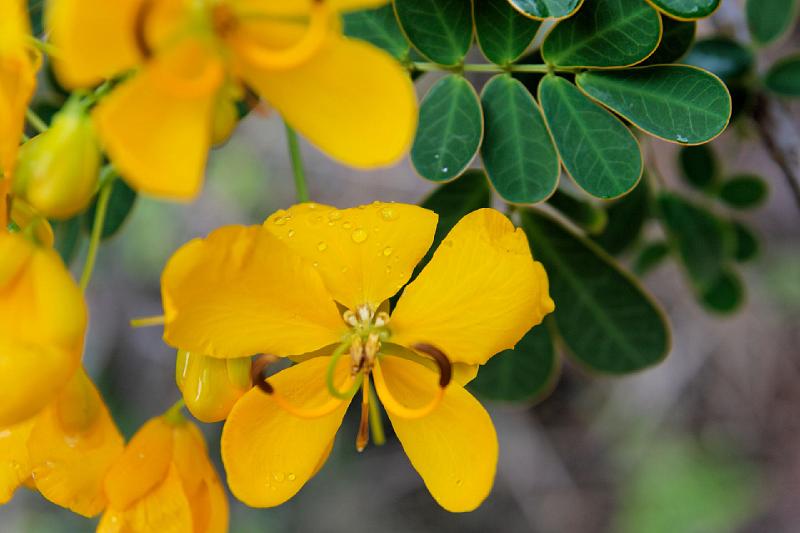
x=359 y=236
x=387 y=213
x=334 y=215
x=291 y=477
x=291 y=233
x=278 y=476
x=347 y=225
x=315 y=264
x=387 y=251
x=280 y=221
x=321 y=246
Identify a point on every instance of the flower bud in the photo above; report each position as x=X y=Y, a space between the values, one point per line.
x=224 y=121
x=211 y=385
x=57 y=170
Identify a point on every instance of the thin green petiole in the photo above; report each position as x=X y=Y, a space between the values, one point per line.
x=174 y=414
x=300 y=185
x=375 y=419
x=97 y=231
x=35 y=121
x=487 y=67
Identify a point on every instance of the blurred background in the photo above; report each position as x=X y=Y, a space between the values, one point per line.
x=708 y=441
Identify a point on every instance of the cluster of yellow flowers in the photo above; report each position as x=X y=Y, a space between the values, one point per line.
x=155 y=84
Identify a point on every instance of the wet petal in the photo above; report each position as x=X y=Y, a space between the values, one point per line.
x=364 y=254
x=479 y=295
x=14 y=464
x=240 y=292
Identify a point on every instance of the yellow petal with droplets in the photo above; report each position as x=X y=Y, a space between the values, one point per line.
x=364 y=254
x=14 y=464
x=454 y=448
x=480 y=293
x=240 y=291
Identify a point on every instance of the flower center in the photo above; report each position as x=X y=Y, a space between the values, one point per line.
x=369 y=328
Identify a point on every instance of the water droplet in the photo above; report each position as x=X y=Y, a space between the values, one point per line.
x=312 y=205
x=291 y=233
x=278 y=476
x=315 y=264
x=321 y=246
x=681 y=139
x=359 y=236
x=334 y=215
x=387 y=251
x=376 y=202
x=436 y=156
x=347 y=225
x=344 y=270
x=140 y=455
x=459 y=482
x=272 y=487
x=444 y=169
x=388 y=270
x=387 y=213
x=280 y=221
x=291 y=477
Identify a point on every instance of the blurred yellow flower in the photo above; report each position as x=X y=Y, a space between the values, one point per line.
x=164 y=482
x=349 y=98
x=312 y=283
x=65 y=451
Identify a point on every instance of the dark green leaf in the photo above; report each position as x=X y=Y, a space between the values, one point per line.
x=120 y=205
x=523 y=374
x=546 y=9
x=604 y=33
x=697 y=236
x=583 y=214
x=450 y=129
x=725 y=295
x=784 y=76
x=686 y=9
x=599 y=152
x=440 y=29
x=377 y=26
x=68 y=238
x=674 y=102
x=699 y=166
x=517 y=150
x=652 y=255
x=769 y=19
x=503 y=32
x=605 y=318
x=744 y=191
x=723 y=56
x=676 y=39
x=36 y=13
x=746 y=242
x=626 y=218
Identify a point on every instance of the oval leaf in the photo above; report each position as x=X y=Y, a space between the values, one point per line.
x=517 y=150
x=725 y=295
x=625 y=220
x=450 y=129
x=120 y=205
x=580 y=212
x=546 y=9
x=767 y=20
x=676 y=39
x=677 y=103
x=699 y=166
x=525 y=373
x=743 y=192
x=379 y=27
x=605 y=318
x=650 y=257
x=597 y=149
x=747 y=245
x=686 y=9
x=503 y=32
x=440 y=29
x=722 y=56
x=784 y=77
x=604 y=33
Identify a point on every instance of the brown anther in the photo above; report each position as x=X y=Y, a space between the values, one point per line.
x=140 y=28
x=443 y=362
x=257 y=368
x=223 y=20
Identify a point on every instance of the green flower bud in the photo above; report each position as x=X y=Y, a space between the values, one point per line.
x=210 y=385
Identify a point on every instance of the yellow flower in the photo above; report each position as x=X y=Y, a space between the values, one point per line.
x=164 y=482
x=312 y=283
x=349 y=98
x=210 y=386
x=65 y=451
x=42 y=325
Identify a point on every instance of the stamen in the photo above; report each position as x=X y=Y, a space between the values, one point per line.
x=147 y=321
x=363 y=426
x=140 y=28
x=335 y=392
x=445 y=367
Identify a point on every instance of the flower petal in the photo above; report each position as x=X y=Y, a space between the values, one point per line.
x=240 y=291
x=70 y=464
x=364 y=254
x=14 y=464
x=157 y=125
x=352 y=100
x=479 y=295
x=95 y=39
x=268 y=453
x=454 y=448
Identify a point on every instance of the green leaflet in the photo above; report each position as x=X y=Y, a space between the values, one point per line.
x=68 y=237
x=744 y=191
x=676 y=39
x=699 y=166
x=725 y=295
x=626 y=217
x=650 y=257
x=686 y=9
x=440 y=29
x=604 y=33
x=517 y=150
x=784 y=76
x=677 y=103
x=377 y=26
x=722 y=56
x=450 y=129
x=598 y=151
x=120 y=205
x=604 y=317
x=503 y=32
x=768 y=20
x=747 y=245
x=525 y=373
x=546 y=9
x=584 y=214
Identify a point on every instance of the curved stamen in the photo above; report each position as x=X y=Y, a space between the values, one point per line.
x=300 y=52
x=257 y=373
x=362 y=439
x=443 y=362
x=208 y=80
x=140 y=28
x=335 y=392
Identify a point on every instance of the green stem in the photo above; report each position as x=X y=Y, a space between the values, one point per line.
x=487 y=67
x=35 y=120
x=297 y=165
x=173 y=415
x=45 y=48
x=375 y=419
x=97 y=232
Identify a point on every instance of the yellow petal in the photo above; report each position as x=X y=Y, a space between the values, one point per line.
x=479 y=295
x=157 y=125
x=164 y=509
x=463 y=373
x=14 y=464
x=142 y=466
x=240 y=292
x=95 y=39
x=350 y=5
x=364 y=254
x=69 y=463
x=454 y=448
x=42 y=324
x=352 y=100
x=17 y=81
x=268 y=453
